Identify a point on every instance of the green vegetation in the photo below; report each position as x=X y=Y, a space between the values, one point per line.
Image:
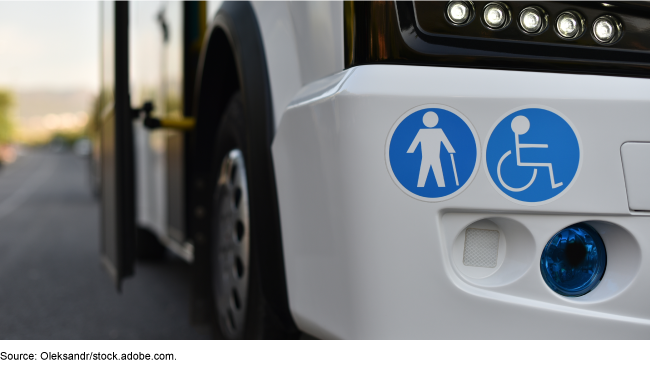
x=7 y=127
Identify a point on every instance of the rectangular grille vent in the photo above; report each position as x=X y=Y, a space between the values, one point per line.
x=481 y=248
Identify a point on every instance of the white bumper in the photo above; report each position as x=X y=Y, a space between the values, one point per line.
x=365 y=260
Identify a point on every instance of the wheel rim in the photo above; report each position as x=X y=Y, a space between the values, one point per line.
x=231 y=245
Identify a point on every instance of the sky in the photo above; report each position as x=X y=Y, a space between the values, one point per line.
x=49 y=46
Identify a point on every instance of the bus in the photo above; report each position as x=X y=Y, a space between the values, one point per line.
x=385 y=169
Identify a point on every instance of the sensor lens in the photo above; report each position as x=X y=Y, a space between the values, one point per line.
x=606 y=29
x=530 y=20
x=458 y=12
x=574 y=260
x=495 y=15
x=569 y=25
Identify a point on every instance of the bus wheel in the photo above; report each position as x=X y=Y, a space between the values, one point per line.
x=231 y=247
x=239 y=309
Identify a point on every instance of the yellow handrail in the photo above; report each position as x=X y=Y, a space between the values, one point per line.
x=184 y=123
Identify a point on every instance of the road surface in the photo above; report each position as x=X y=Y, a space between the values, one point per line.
x=52 y=285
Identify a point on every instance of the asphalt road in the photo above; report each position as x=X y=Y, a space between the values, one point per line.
x=52 y=285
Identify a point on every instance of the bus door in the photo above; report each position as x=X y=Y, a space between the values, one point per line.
x=165 y=45
x=116 y=145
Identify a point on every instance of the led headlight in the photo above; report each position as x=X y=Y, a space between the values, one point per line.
x=570 y=25
x=460 y=12
x=496 y=15
x=607 y=29
x=533 y=20
x=574 y=260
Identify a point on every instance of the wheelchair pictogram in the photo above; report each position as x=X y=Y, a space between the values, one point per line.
x=532 y=155
x=520 y=125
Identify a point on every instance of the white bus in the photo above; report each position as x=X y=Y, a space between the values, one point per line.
x=371 y=170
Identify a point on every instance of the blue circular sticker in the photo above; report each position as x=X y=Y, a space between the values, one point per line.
x=432 y=152
x=532 y=155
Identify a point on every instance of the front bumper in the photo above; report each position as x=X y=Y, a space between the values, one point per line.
x=365 y=260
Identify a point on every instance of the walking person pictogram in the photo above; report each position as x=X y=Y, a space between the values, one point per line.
x=429 y=140
x=447 y=144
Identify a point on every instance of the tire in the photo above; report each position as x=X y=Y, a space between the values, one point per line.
x=239 y=310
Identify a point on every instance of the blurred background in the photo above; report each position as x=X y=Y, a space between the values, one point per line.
x=49 y=62
x=51 y=282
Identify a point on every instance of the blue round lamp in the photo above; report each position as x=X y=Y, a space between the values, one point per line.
x=574 y=260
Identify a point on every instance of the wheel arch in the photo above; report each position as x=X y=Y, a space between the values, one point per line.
x=233 y=59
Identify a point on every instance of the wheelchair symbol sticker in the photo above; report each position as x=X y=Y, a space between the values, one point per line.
x=432 y=152
x=533 y=155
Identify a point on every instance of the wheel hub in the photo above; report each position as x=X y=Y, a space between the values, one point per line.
x=231 y=245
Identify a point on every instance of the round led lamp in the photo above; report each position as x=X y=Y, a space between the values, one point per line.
x=606 y=30
x=574 y=260
x=533 y=20
x=496 y=16
x=570 y=25
x=460 y=12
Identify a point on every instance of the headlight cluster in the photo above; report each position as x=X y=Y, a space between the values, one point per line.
x=595 y=38
x=533 y=20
